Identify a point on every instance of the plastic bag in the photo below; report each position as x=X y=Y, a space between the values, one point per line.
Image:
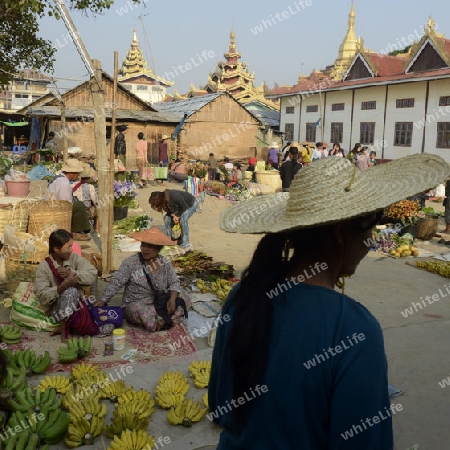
x=176 y=232
x=16 y=175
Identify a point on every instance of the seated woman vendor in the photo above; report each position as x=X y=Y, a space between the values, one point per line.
x=137 y=272
x=59 y=280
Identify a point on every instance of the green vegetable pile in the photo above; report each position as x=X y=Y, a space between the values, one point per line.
x=431 y=211
x=132 y=224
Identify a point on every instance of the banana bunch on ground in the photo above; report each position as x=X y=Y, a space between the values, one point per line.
x=94 y=381
x=86 y=408
x=58 y=382
x=10 y=384
x=76 y=348
x=10 y=334
x=141 y=400
x=439 y=267
x=220 y=288
x=171 y=389
x=129 y=416
x=90 y=369
x=200 y=372
x=185 y=413
x=48 y=427
x=82 y=430
x=25 y=400
x=29 y=360
x=113 y=390
x=205 y=400
x=132 y=440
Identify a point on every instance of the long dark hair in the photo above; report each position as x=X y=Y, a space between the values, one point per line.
x=157 y=201
x=248 y=341
x=58 y=239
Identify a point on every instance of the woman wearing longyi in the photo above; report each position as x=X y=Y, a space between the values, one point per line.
x=300 y=365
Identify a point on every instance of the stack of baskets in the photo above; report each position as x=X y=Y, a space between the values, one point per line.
x=16 y=216
x=269 y=177
x=49 y=214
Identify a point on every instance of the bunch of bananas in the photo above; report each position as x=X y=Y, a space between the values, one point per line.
x=25 y=400
x=200 y=371
x=58 y=382
x=82 y=430
x=10 y=384
x=171 y=389
x=132 y=440
x=220 y=288
x=54 y=426
x=129 y=416
x=439 y=267
x=185 y=413
x=10 y=334
x=136 y=396
x=205 y=400
x=113 y=390
x=29 y=360
x=86 y=408
x=76 y=348
x=81 y=369
x=93 y=381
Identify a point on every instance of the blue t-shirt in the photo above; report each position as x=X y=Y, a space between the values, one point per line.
x=325 y=385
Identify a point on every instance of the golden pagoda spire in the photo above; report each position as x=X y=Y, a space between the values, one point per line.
x=232 y=40
x=134 y=42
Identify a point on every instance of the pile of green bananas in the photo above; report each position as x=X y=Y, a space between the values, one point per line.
x=220 y=288
x=132 y=440
x=10 y=334
x=440 y=267
x=131 y=414
x=171 y=389
x=76 y=348
x=9 y=385
x=26 y=400
x=200 y=371
x=185 y=413
x=87 y=420
x=28 y=360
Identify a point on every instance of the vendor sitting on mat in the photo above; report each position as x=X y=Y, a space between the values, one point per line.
x=60 y=298
x=60 y=189
x=138 y=297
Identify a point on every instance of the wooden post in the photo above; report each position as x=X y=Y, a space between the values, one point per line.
x=111 y=160
x=104 y=183
x=64 y=134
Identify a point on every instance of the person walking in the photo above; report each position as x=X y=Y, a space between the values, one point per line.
x=290 y=168
x=272 y=155
x=120 y=144
x=163 y=155
x=310 y=361
x=178 y=207
x=363 y=159
x=212 y=167
x=141 y=156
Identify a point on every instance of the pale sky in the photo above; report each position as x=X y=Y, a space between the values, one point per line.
x=305 y=34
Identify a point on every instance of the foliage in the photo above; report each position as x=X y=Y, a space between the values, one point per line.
x=20 y=44
x=5 y=165
x=400 y=52
x=238 y=194
x=198 y=170
x=124 y=193
x=132 y=224
x=431 y=211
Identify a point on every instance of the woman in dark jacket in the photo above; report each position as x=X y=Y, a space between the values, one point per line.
x=289 y=169
x=179 y=207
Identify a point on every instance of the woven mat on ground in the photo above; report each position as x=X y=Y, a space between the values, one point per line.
x=151 y=347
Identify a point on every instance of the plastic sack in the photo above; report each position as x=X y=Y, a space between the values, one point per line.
x=16 y=175
x=176 y=232
x=27 y=311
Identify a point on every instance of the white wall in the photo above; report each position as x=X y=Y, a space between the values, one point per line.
x=338 y=116
x=290 y=118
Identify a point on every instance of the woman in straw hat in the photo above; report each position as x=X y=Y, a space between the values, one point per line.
x=304 y=363
x=138 y=296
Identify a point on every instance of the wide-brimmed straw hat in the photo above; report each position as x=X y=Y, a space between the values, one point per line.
x=332 y=190
x=72 y=166
x=153 y=236
x=164 y=137
x=274 y=145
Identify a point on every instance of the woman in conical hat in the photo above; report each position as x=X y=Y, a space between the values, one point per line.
x=297 y=364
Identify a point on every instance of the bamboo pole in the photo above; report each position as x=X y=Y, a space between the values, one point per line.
x=111 y=159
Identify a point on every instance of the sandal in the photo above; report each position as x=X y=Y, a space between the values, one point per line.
x=441 y=241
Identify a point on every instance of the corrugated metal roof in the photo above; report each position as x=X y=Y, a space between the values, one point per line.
x=121 y=114
x=271 y=118
x=189 y=106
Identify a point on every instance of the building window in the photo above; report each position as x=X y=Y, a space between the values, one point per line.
x=369 y=105
x=311 y=132
x=337 y=131
x=21 y=95
x=289 y=131
x=337 y=107
x=312 y=108
x=289 y=109
x=444 y=101
x=367 y=133
x=443 y=135
x=127 y=86
x=403 y=134
x=404 y=103
x=141 y=87
x=157 y=88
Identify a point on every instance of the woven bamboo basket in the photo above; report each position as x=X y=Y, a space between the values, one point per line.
x=21 y=266
x=48 y=214
x=16 y=216
x=270 y=177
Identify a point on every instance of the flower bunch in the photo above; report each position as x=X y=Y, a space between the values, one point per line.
x=198 y=170
x=124 y=193
x=406 y=211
